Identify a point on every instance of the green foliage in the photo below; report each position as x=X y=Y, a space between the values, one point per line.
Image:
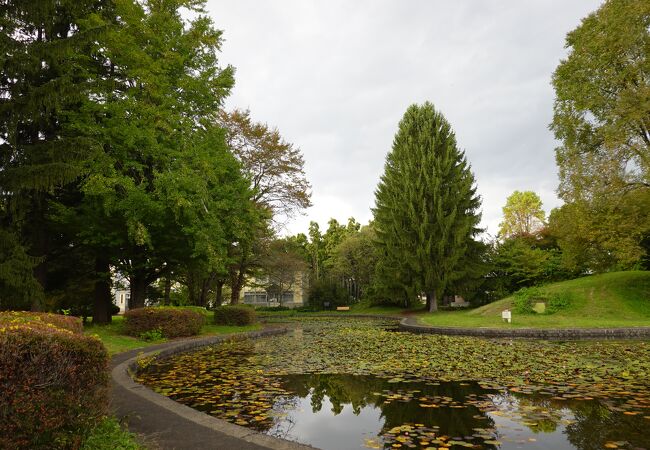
x=426 y=207
x=272 y=308
x=355 y=260
x=522 y=214
x=601 y=110
x=524 y=300
x=54 y=385
x=170 y=322
x=602 y=118
x=557 y=301
x=234 y=315
x=605 y=234
x=322 y=292
x=525 y=261
x=152 y=335
x=109 y=435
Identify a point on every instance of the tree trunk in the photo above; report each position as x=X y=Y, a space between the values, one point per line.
x=39 y=247
x=102 y=297
x=432 y=301
x=168 y=290
x=236 y=284
x=203 y=297
x=218 y=300
x=138 y=282
x=191 y=289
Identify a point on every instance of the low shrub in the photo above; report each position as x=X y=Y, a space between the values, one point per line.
x=234 y=315
x=115 y=310
x=171 y=322
x=557 y=302
x=272 y=308
x=151 y=335
x=325 y=294
x=109 y=435
x=54 y=385
x=69 y=323
x=524 y=300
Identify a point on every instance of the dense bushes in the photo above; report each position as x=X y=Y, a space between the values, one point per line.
x=70 y=323
x=524 y=300
x=327 y=295
x=53 y=382
x=234 y=315
x=170 y=322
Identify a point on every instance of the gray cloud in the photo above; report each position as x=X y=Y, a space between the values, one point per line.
x=335 y=77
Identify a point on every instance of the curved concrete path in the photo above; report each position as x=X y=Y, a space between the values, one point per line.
x=165 y=424
x=412 y=325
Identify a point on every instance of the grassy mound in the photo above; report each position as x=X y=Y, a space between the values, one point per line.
x=616 y=299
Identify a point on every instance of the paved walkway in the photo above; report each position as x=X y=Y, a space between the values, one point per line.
x=164 y=424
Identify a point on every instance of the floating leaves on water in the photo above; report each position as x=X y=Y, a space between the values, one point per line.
x=530 y=382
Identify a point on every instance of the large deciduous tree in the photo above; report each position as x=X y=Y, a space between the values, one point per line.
x=522 y=215
x=602 y=118
x=426 y=206
x=275 y=169
x=602 y=104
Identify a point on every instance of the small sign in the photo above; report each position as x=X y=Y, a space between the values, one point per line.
x=506 y=315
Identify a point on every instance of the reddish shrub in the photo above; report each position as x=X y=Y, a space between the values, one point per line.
x=53 y=385
x=70 y=323
x=171 y=322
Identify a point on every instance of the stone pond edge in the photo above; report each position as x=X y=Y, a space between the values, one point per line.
x=121 y=375
x=412 y=325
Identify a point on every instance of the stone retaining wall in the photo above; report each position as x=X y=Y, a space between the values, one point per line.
x=411 y=325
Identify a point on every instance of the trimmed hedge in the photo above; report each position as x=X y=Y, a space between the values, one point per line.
x=234 y=315
x=53 y=385
x=70 y=323
x=171 y=322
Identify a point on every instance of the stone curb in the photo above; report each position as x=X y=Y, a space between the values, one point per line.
x=411 y=325
x=121 y=375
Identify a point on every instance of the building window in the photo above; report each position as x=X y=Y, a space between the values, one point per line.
x=287 y=297
x=121 y=299
x=255 y=297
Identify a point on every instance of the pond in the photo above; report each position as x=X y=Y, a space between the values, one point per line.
x=350 y=384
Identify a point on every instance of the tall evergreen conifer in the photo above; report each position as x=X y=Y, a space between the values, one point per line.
x=49 y=56
x=426 y=207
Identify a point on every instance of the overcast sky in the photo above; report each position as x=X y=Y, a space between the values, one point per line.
x=335 y=77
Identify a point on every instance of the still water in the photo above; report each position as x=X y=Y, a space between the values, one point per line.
x=314 y=387
x=350 y=412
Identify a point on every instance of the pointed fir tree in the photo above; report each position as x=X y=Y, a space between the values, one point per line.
x=426 y=207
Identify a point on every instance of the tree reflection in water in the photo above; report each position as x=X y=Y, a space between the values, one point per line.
x=463 y=412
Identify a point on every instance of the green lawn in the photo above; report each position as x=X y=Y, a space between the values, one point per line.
x=618 y=299
x=116 y=342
